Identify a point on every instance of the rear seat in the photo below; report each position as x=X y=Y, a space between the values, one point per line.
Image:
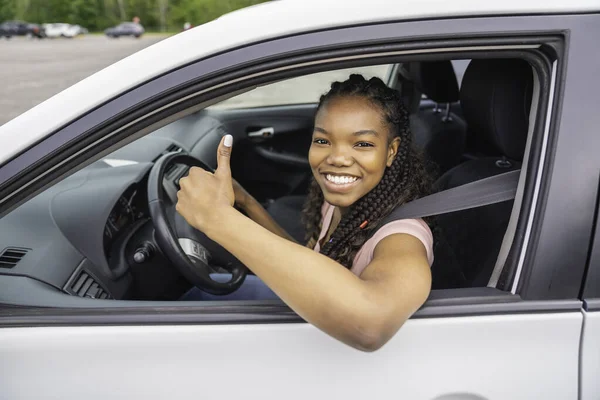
x=437 y=132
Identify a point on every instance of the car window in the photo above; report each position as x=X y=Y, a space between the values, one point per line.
x=301 y=90
x=275 y=142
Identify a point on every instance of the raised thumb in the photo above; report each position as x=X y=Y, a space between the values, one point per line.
x=224 y=156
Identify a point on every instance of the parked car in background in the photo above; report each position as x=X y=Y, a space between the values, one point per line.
x=9 y=29
x=63 y=30
x=125 y=29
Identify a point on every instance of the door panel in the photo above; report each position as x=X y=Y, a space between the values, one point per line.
x=590 y=355
x=525 y=356
x=270 y=157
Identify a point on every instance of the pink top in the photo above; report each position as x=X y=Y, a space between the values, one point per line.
x=415 y=227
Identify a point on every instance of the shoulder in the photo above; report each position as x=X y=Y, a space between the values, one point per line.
x=414 y=227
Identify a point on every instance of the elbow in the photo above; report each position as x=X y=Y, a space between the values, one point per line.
x=374 y=333
x=368 y=344
x=370 y=339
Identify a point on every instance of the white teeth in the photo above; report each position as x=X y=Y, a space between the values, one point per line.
x=340 y=180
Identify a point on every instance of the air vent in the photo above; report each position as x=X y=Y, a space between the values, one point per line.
x=11 y=257
x=221 y=131
x=84 y=285
x=174 y=149
x=170 y=170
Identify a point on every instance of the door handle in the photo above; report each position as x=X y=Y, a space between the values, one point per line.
x=262 y=133
x=283 y=158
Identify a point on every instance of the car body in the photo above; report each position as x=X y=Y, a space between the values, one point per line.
x=9 y=29
x=63 y=30
x=125 y=29
x=79 y=163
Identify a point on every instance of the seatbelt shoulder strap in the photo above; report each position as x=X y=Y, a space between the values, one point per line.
x=491 y=190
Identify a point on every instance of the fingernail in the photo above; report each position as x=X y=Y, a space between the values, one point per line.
x=228 y=141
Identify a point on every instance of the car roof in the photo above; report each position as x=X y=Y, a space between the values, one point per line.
x=267 y=20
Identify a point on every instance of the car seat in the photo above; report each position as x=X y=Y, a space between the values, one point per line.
x=437 y=132
x=496 y=99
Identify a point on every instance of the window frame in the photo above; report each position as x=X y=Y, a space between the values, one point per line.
x=122 y=115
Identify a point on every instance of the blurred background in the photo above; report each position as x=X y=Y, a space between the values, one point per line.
x=48 y=45
x=97 y=15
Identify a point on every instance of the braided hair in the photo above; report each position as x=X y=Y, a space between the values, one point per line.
x=405 y=180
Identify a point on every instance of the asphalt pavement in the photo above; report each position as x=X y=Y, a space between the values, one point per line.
x=33 y=70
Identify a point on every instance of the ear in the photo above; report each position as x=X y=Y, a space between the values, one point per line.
x=392 y=151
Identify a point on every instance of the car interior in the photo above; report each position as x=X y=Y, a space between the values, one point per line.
x=110 y=230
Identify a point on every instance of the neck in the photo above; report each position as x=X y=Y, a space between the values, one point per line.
x=343 y=210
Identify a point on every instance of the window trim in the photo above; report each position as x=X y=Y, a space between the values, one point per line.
x=441 y=304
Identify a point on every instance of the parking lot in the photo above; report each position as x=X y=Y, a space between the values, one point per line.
x=33 y=70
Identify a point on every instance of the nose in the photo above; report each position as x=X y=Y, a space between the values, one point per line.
x=339 y=157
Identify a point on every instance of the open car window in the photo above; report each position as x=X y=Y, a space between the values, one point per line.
x=106 y=235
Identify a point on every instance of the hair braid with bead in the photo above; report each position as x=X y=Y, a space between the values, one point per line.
x=405 y=180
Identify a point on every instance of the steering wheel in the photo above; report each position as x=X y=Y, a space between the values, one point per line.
x=182 y=244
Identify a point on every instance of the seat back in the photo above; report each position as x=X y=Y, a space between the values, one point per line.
x=496 y=99
x=437 y=132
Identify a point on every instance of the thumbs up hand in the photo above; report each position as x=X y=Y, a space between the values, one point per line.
x=203 y=195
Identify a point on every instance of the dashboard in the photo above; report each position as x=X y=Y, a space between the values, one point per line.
x=130 y=207
x=81 y=232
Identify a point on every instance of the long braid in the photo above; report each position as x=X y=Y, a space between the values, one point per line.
x=311 y=214
x=405 y=180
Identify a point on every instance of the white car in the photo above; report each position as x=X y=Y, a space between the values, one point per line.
x=62 y=30
x=92 y=269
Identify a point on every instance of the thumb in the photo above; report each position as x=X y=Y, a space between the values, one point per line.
x=224 y=156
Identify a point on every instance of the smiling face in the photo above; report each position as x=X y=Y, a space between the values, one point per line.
x=351 y=147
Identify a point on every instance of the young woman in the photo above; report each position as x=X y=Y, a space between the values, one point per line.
x=357 y=287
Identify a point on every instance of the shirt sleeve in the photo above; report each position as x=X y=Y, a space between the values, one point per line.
x=414 y=227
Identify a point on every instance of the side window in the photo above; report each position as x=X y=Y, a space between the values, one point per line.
x=113 y=253
x=302 y=90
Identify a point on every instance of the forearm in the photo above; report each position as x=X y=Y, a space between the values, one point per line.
x=320 y=290
x=258 y=214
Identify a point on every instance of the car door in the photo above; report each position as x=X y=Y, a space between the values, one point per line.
x=590 y=346
x=519 y=339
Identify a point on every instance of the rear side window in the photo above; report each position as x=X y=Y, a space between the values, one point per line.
x=302 y=90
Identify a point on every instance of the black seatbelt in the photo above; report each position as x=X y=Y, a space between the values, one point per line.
x=483 y=192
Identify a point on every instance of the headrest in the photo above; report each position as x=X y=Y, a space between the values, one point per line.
x=437 y=80
x=496 y=98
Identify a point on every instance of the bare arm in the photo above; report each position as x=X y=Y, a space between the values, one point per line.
x=363 y=312
x=258 y=214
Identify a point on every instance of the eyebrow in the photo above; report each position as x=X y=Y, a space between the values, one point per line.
x=357 y=133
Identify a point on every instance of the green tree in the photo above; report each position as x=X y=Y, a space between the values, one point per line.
x=8 y=9
x=97 y=15
x=201 y=11
x=84 y=13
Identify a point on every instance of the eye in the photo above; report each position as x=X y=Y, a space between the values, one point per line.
x=320 y=141
x=364 y=144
